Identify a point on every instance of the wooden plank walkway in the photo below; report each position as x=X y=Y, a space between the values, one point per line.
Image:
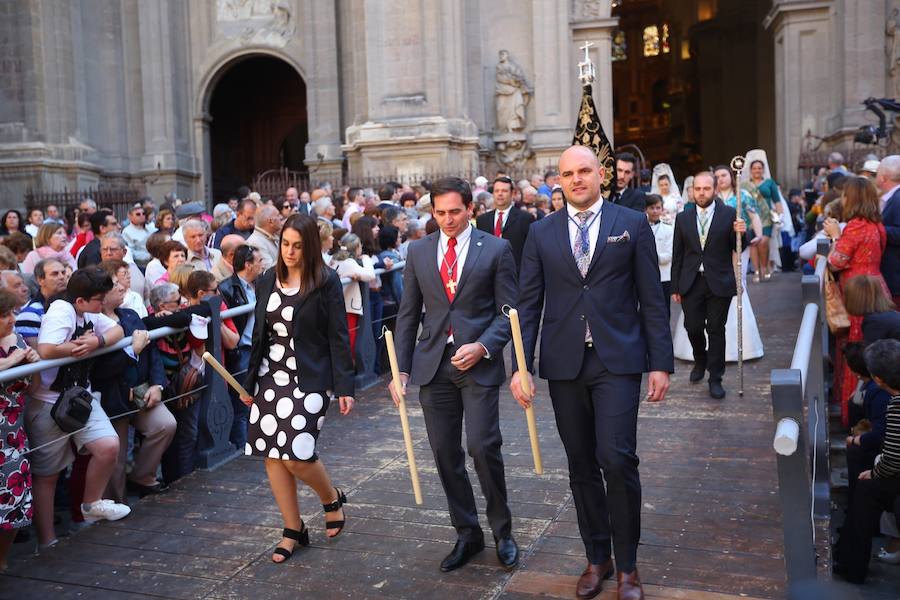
x=711 y=517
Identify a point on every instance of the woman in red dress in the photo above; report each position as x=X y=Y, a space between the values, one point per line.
x=855 y=251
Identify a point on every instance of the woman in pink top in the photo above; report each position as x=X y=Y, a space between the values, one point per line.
x=50 y=242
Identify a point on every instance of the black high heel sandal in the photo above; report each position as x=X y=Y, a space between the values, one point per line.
x=334 y=507
x=301 y=537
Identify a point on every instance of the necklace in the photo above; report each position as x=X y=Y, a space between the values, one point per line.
x=451 y=266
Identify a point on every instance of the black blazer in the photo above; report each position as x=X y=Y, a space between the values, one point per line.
x=515 y=231
x=716 y=256
x=881 y=326
x=321 y=340
x=232 y=292
x=630 y=197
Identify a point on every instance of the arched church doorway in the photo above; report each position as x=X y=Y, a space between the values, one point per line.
x=258 y=122
x=693 y=80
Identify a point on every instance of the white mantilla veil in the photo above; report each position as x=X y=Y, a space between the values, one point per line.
x=760 y=155
x=664 y=169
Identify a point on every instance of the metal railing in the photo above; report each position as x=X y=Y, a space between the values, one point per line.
x=799 y=396
x=216 y=412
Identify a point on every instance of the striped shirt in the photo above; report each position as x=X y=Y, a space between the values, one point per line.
x=28 y=321
x=889 y=465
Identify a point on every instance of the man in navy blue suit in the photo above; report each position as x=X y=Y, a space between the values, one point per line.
x=593 y=270
x=888 y=181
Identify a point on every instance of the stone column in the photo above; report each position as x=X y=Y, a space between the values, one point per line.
x=323 y=151
x=555 y=105
x=167 y=160
x=804 y=79
x=415 y=90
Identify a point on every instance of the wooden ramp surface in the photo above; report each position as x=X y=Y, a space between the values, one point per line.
x=711 y=516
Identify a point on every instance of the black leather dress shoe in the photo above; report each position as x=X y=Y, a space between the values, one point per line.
x=461 y=554
x=507 y=552
x=698 y=373
x=148 y=490
x=716 y=390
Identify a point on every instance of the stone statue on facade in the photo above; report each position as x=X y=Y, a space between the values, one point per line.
x=512 y=151
x=512 y=95
x=266 y=22
x=892 y=50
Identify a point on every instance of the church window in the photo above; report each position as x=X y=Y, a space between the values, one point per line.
x=651 y=40
x=619 y=46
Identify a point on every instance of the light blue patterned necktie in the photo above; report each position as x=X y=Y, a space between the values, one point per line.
x=582 y=252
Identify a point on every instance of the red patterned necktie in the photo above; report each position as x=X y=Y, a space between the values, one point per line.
x=448 y=269
x=498 y=226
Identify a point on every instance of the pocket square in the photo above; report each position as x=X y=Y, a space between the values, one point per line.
x=614 y=239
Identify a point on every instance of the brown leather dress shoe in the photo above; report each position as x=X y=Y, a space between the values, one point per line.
x=591 y=581
x=630 y=587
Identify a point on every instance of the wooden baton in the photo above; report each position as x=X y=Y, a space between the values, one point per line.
x=404 y=419
x=523 y=381
x=228 y=377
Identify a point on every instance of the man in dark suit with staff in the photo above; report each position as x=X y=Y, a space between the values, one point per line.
x=463 y=278
x=592 y=268
x=703 y=276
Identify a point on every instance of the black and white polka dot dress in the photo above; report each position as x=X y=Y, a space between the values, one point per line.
x=284 y=421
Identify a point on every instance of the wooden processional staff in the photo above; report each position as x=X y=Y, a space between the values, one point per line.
x=737 y=165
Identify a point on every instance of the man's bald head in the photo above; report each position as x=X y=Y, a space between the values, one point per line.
x=229 y=244
x=581 y=176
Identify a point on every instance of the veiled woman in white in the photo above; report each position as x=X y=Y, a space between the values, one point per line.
x=664 y=184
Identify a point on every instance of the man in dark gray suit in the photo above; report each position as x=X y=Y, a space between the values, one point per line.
x=462 y=277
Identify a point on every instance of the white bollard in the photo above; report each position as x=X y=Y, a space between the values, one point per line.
x=786 y=435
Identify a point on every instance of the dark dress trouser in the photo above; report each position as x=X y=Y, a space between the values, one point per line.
x=596 y=415
x=451 y=397
x=870 y=498
x=706 y=312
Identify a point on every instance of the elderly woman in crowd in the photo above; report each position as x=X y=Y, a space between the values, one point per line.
x=857 y=250
x=172 y=255
x=50 y=243
x=165 y=221
x=350 y=262
x=15 y=469
x=132 y=379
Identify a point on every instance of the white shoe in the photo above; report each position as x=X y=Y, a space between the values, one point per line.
x=105 y=509
x=891 y=558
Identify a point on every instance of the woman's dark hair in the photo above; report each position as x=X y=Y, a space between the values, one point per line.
x=854 y=354
x=312 y=267
x=387 y=237
x=87 y=283
x=759 y=162
x=71 y=219
x=8 y=302
x=363 y=229
x=730 y=173
x=166 y=250
x=155 y=242
x=4 y=230
x=447 y=185
x=408 y=197
x=663 y=176
x=242 y=255
x=431 y=226
x=19 y=242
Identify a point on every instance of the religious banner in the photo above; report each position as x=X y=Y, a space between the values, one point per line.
x=588 y=129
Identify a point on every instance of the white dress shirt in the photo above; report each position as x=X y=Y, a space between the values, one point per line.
x=593 y=228
x=664 y=235
x=505 y=217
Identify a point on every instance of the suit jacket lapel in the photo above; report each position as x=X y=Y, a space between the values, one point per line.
x=607 y=220
x=561 y=228
x=718 y=219
x=431 y=270
x=472 y=254
x=510 y=219
x=691 y=226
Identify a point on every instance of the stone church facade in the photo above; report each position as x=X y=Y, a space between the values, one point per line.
x=118 y=92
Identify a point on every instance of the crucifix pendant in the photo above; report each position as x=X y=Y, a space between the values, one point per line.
x=451 y=285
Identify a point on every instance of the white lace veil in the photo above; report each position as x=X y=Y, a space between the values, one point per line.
x=664 y=169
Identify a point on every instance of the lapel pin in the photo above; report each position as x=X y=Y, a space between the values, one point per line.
x=477 y=243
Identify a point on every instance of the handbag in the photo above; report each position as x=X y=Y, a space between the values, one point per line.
x=835 y=312
x=72 y=409
x=187 y=378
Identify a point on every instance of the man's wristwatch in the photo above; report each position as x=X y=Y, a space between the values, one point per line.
x=101 y=340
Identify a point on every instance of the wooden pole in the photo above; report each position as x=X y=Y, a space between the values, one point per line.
x=523 y=381
x=225 y=374
x=737 y=164
x=404 y=419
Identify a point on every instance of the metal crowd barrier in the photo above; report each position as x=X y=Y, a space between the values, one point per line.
x=216 y=412
x=800 y=411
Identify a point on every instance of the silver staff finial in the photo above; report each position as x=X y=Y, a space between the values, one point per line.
x=586 y=68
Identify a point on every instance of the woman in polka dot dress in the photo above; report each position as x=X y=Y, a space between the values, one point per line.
x=300 y=356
